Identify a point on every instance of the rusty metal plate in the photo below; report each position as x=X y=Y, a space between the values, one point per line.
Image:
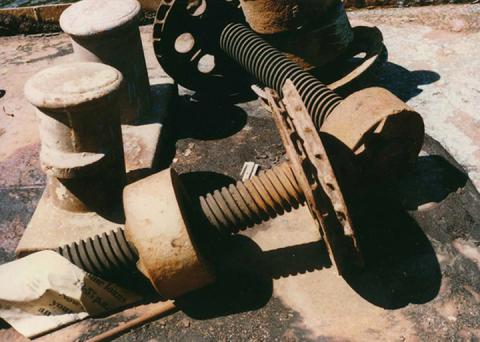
x=311 y=164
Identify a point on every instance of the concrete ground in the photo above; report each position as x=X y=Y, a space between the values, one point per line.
x=420 y=236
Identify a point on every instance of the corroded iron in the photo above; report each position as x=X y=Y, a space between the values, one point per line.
x=103 y=254
x=186 y=40
x=176 y=47
x=244 y=204
x=311 y=165
x=272 y=68
x=158 y=209
x=288 y=24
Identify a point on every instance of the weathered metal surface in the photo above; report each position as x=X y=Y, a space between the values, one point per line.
x=287 y=25
x=382 y=131
x=270 y=67
x=429 y=285
x=270 y=16
x=142 y=147
x=194 y=59
x=107 y=32
x=192 y=56
x=107 y=255
x=252 y=201
x=158 y=225
x=311 y=165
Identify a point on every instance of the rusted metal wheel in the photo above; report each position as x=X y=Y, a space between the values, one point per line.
x=186 y=42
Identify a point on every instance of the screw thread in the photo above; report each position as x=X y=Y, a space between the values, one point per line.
x=229 y=210
x=250 y=202
x=273 y=68
x=103 y=255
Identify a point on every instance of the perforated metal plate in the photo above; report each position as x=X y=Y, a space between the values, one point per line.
x=312 y=168
x=185 y=40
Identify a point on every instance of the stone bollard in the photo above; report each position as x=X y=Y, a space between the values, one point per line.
x=107 y=31
x=81 y=154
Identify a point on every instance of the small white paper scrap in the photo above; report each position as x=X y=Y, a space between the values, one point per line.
x=249 y=170
x=44 y=291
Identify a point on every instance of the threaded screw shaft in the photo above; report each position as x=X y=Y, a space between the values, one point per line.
x=229 y=210
x=104 y=254
x=244 y=204
x=273 y=68
x=247 y=203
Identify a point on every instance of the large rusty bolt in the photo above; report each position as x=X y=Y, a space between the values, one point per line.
x=270 y=67
x=359 y=121
x=107 y=31
x=158 y=236
x=158 y=233
x=288 y=24
x=79 y=124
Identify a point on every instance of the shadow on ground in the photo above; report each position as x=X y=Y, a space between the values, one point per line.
x=199 y=120
x=245 y=276
x=404 y=83
x=401 y=264
x=433 y=180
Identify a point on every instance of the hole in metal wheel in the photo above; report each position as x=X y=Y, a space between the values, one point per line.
x=184 y=42
x=206 y=64
x=196 y=7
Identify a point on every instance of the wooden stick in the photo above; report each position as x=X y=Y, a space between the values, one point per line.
x=158 y=310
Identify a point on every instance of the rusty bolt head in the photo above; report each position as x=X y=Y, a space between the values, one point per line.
x=274 y=16
x=157 y=226
x=385 y=134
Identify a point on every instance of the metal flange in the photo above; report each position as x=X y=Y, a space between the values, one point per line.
x=315 y=175
x=186 y=43
x=185 y=40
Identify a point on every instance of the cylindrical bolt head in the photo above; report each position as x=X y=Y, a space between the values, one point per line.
x=274 y=16
x=288 y=24
x=157 y=225
x=385 y=134
x=107 y=31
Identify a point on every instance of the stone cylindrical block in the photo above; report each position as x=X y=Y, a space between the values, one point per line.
x=107 y=31
x=79 y=123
